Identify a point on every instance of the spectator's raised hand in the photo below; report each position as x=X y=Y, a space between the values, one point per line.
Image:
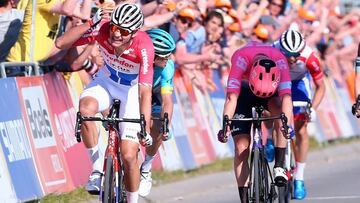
x=263 y=4
x=96 y=19
x=211 y=53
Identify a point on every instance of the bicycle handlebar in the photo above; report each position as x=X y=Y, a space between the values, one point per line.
x=282 y=117
x=165 y=122
x=80 y=119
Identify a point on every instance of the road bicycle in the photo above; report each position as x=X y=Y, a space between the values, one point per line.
x=112 y=181
x=286 y=193
x=261 y=186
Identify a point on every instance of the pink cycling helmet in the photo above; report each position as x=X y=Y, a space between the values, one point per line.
x=264 y=77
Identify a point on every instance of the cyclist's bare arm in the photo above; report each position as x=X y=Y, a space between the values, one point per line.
x=71 y=36
x=145 y=103
x=73 y=8
x=230 y=104
x=287 y=108
x=167 y=106
x=357 y=73
x=319 y=93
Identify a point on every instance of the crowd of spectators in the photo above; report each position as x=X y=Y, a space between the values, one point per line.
x=206 y=32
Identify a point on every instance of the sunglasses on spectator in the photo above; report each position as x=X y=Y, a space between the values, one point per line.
x=184 y=20
x=123 y=32
x=276 y=4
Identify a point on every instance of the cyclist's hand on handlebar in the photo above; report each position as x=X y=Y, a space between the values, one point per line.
x=166 y=136
x=312 y=116
x=224 y=137
x=146 y=140
x=356 y=112
x=289 y=133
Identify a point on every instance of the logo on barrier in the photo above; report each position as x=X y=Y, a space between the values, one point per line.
x=64 y=123
x=38 y=115
x=14 y=137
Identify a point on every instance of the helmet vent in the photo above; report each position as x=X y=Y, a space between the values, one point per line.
x=273 y=77
x=260 y=76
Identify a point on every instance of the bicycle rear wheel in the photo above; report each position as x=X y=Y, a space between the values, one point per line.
x=109 y=185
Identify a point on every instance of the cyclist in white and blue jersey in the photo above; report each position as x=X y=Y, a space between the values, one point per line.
x=162 y=102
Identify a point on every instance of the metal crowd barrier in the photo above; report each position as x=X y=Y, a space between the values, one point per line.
x=31 y=68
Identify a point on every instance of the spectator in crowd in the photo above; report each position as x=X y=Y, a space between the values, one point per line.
x=10 y=25
x=45 y=27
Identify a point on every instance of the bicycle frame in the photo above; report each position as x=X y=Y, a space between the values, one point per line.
x=112 y=162
x=259 y=167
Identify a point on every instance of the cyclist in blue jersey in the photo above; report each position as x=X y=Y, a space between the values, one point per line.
x=162 y=101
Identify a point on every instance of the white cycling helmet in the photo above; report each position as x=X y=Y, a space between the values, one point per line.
x=127 y=16
x=292 y=41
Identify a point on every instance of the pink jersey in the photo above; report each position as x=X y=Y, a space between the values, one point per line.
x=242 y=61
x=134 y=65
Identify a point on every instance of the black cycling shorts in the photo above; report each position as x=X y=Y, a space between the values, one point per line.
x=245 y=102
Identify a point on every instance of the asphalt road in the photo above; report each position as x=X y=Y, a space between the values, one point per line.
x=332 y=175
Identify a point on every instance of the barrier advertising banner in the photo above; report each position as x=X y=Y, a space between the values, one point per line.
x=179 y=132
x=52 y=169
x=7 y=193
x=15 y=146
x=218 y=100
x=203 y=125
x=64 y=115
x=194 y=130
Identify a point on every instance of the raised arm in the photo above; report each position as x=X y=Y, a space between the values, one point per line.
x=72 y=35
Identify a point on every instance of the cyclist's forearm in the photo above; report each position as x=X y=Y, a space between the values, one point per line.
x=145 y=104
x=357 y=73
x=167 y=106
x=230 y=104
x=70 y=36
x=287 y=108
x=319 y=93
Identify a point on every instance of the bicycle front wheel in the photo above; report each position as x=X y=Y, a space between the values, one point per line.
x=256 y=181
x=109 y=185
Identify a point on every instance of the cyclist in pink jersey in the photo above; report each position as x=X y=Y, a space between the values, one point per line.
x=259 y=75
x=127 y=75
x=304 y=65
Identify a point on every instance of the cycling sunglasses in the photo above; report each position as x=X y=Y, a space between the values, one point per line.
x=289 y=54
x=162 y=57
x=123 y=32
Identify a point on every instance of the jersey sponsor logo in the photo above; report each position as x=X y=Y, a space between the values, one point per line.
x=38 y=116
x=130 y=52
x=15 y=141
x=119 y=63
x=145 y=61
x=315 y=65
x=241 y=63
x=234 y=83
